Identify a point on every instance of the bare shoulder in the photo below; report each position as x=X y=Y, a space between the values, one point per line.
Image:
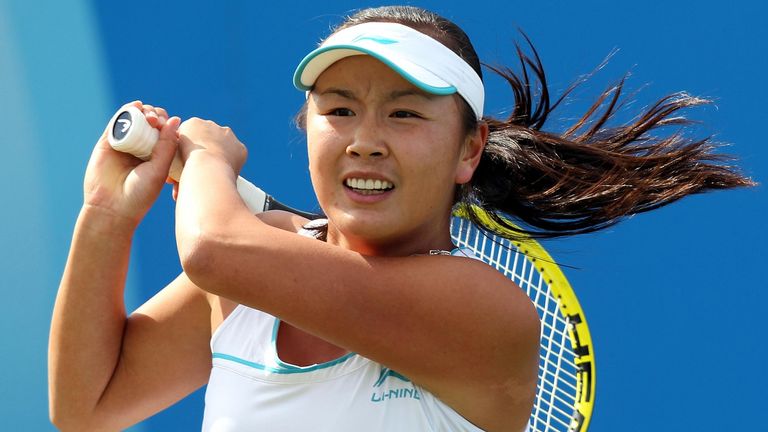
x=282 y=219
x=482 y=279
x=502 y=331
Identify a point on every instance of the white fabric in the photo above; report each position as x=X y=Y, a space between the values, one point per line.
x=251 y=389
x=423 y=61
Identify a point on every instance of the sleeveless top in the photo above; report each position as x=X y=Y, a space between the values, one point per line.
x=251 y=389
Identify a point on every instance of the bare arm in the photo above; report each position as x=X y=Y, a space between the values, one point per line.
x=452 y=325
x=88 y=320
x=104 y=368
x=108 y=371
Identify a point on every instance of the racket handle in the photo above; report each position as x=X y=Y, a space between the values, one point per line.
x=129 y=132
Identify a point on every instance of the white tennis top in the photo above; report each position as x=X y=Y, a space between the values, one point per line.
x=251 y=389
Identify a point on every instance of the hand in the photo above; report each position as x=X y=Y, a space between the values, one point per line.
x=123 y=184
x=204 y=135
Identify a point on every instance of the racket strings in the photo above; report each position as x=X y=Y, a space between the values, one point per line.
x=558 y=377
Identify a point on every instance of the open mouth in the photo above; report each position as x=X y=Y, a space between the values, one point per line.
x=369 y=186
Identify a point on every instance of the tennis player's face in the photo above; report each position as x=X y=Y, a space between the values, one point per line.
x=385 y=158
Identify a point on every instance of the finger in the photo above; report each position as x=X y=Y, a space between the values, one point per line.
x=162 y=116
x=165 y=149
x=175 y=193
x=161 y=112
x=152 y=119
x=168 y=134
x=150 y=115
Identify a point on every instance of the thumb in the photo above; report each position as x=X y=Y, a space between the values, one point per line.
x=167 y=145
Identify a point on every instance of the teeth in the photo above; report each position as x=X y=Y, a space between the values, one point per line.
x=369 y=184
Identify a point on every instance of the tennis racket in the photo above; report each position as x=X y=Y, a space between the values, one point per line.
x=566 y=380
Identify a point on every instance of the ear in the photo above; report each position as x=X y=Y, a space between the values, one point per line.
x=471 y=152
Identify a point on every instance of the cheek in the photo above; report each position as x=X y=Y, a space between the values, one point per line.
x=440 y=158
x=319 y=140
x=322 y=154
x=435 y=167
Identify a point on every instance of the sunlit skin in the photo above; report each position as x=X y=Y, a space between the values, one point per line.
x=366 y=121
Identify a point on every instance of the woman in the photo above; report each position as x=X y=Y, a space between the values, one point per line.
x=384 y=324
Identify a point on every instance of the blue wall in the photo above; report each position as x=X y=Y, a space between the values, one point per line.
x=674 y=297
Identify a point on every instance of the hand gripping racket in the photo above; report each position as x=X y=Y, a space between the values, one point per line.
x=566 y=380
x=129 y=132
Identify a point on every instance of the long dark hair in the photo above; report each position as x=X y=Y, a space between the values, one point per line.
x=581 y=180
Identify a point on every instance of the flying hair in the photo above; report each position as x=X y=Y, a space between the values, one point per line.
x=586 y=178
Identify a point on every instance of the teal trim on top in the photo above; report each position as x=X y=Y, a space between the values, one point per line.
x=443 y=91
x=287 y=366
x=284 y=368
x=281 y=370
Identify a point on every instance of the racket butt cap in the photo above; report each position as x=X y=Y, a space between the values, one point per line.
x=129 y=132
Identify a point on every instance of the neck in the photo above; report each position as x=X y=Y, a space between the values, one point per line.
x=417 y=241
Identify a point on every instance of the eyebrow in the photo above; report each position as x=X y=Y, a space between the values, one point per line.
x=347 y=94
x=410 y=92
x=396 y=94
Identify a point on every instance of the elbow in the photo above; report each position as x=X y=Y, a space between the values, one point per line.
x=58 y=414
x=65 y=420
x=69 y=415
x=212 y=253
x=197 y=254
x=64 y=423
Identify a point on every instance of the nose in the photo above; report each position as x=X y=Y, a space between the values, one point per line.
x=369 y=141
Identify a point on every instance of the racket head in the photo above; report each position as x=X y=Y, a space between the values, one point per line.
x=566 y=382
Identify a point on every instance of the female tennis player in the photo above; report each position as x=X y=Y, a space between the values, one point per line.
x=370 y=319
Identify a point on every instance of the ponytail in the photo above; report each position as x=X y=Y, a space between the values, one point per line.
x=591 y=176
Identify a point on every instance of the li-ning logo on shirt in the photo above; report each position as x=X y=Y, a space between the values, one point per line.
x=394 y=393
x=377 y=39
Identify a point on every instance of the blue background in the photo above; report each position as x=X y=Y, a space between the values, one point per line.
x=675 y=298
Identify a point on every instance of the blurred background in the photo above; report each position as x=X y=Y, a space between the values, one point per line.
x=674 y=298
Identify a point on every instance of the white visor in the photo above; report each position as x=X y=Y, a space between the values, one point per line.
x=423 y=61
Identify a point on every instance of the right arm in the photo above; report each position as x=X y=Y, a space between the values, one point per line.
x=106 y=370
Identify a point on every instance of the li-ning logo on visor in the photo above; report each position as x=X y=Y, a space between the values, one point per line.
x=377 y=39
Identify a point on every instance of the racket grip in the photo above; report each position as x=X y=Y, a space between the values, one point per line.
x=130 y=132
x=253 y=197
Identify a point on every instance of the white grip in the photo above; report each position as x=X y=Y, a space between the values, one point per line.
x=129 y=132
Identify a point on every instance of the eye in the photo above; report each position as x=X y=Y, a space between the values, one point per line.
x=341 y=112
x=405 y=114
